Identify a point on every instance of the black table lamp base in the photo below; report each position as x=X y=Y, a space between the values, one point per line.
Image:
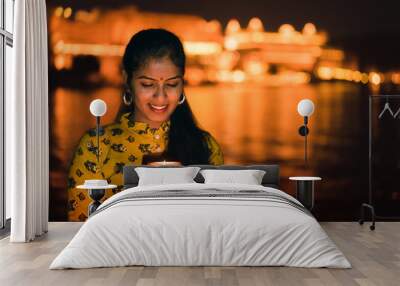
x=96 y=195
x=305 y=193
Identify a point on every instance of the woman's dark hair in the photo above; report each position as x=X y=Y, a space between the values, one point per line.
x=187 y=142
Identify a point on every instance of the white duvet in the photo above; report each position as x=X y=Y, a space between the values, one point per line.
x=200 y=231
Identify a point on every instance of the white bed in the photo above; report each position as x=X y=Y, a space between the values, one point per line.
x=269 y=229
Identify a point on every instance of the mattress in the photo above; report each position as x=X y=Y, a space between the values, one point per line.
x=201 y=225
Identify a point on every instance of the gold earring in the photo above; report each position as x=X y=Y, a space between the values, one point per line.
x=183 y=99
x=127 y=98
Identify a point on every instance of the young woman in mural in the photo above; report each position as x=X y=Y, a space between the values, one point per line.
x=156 y=121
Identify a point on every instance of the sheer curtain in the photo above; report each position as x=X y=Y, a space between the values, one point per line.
x=27 y=139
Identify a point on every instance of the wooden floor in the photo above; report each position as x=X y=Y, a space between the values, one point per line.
x=375 y=256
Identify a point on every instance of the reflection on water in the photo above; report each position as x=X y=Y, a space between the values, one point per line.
x=254 y=124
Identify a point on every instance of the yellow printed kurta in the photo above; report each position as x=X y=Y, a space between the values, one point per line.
x=122 y=143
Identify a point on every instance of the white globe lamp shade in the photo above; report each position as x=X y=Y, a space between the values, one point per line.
x=98 y=107
x=305 y=107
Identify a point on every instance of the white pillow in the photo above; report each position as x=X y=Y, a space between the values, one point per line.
x=162 y=176
x=249 y=177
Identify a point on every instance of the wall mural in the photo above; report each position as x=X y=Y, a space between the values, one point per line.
x=241 y=84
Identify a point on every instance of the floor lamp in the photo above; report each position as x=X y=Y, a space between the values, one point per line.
x=305 y=108
x=96 y=188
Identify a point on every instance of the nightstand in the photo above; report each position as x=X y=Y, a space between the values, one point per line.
x=305 y=190
x=97 y=189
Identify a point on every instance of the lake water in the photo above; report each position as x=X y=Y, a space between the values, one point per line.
x=254 y=124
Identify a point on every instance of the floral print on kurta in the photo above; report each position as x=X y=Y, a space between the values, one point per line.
x=122 y=143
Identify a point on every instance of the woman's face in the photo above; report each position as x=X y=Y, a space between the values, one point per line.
x=157 y=88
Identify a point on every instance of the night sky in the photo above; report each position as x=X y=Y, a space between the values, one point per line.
x=368 y=27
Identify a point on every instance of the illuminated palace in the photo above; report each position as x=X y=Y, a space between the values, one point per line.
x=236 y=54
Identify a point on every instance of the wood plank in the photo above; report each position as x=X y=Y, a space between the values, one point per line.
x=375 y=257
